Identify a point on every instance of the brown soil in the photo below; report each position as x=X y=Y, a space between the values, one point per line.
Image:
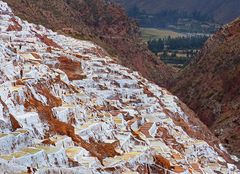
x=15 y=27
x=73 y=69
x=15 y=124
x=49 y=42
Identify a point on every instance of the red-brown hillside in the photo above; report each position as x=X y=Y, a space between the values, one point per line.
x=210 y=85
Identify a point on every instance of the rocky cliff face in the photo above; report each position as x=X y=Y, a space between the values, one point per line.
x=210 y=85
x=67 y=107
x=104 y=23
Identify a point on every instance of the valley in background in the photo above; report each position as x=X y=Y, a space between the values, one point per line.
x=184 y=19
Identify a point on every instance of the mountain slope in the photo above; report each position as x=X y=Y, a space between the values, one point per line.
x=67 y=107
x=101 y=22
x=210 y=85
x=221 y=11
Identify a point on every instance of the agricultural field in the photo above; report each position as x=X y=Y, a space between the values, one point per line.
x=153 y=33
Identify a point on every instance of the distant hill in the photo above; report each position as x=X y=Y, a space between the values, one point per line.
x=195 y=16
x=210 y=85
x=221 y=11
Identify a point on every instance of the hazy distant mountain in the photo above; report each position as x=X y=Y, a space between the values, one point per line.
x=221 y=11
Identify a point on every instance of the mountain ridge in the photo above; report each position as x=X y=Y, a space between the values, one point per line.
x=212 y=8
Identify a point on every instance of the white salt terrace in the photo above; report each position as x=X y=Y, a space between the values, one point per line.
x=111 y=105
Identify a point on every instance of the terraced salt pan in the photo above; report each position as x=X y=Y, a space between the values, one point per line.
x=12 y=142
x=111 y=105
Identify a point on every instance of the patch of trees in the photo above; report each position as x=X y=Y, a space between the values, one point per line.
x=179 y=43
x=175 y=61
x=156 y=46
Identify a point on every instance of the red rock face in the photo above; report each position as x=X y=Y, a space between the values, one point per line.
x=210 y=85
